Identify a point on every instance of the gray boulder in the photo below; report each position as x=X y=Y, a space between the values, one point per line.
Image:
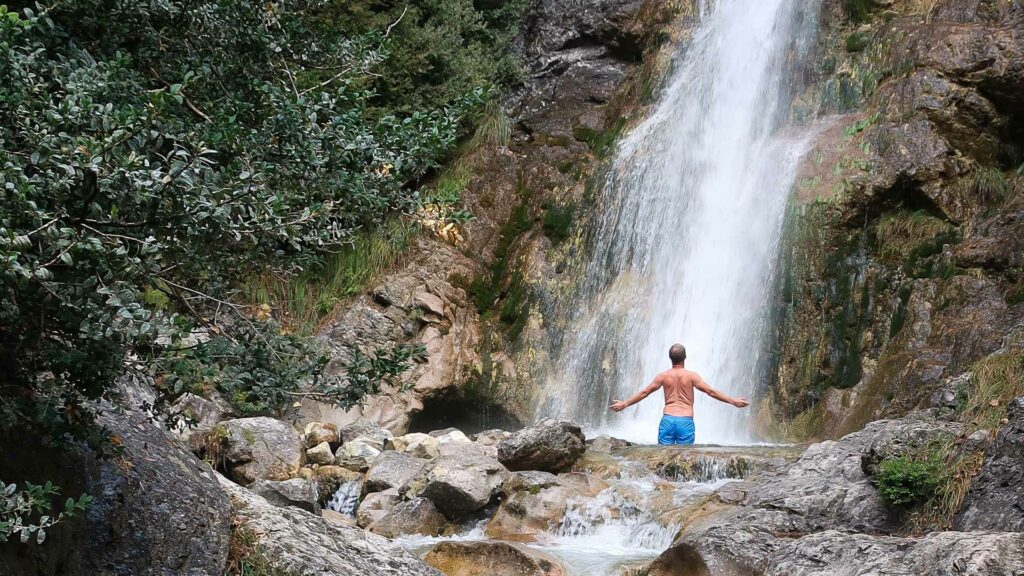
x=462 y=483
x=747 y=523
x=393 y=470
x=416 y=516
x=260 y=449
x=551 y=446
x=834 y=553
x=302 y=543
x=376 y=505
x=296 y=492
x=995 y=500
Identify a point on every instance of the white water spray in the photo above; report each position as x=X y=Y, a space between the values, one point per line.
x=690 y=222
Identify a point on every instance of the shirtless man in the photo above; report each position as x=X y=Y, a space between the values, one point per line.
x=677 y=424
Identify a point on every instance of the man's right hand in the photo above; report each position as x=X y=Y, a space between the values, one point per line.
x=618 y=406
x=741 y=402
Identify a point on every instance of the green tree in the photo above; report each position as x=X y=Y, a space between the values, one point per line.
x=155 y=153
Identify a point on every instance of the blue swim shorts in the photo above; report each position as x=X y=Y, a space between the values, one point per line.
x=676 y=430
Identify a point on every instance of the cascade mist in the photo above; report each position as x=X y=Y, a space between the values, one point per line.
x=689 y=224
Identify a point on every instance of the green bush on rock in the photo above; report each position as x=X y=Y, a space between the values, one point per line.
x=904 y=482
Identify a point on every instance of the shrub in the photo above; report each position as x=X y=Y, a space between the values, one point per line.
x=26 y=512
x=904 y=482
x=158 y=154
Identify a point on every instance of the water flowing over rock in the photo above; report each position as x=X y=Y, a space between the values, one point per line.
x=551 y=445
x=489 y=559
x=260 y=449
x=996 y=497
x=299 y=542
x=700 y=185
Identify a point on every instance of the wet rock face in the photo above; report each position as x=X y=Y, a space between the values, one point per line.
x=551 y=445
x=297 y=541
x=996 y=497
x=878 y=310
x=489 y=559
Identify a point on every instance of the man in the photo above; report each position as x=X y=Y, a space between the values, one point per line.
x=677 y=424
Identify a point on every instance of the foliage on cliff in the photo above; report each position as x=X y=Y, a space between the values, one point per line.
x=155 y=155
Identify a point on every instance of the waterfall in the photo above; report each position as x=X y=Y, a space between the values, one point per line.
x=689 y=224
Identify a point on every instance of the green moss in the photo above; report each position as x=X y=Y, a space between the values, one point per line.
x=600 y=142
x=557 y=222
x=899 y=317
x=857 y=42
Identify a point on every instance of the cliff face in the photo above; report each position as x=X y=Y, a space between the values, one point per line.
x=480 y=303
x=907 y=233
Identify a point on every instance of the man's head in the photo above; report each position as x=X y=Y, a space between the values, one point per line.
x=677 y=354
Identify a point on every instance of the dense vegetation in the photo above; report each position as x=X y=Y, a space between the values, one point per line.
x=156 y=156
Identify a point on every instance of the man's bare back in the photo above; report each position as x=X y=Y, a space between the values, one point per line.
x=678 y=384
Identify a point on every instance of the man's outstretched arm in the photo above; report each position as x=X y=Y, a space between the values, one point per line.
x=620 y=405
x=739 y=402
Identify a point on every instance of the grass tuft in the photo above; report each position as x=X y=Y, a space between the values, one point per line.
x=303 y=301
x=995 y=381
x=903 y=234
x=246 y=556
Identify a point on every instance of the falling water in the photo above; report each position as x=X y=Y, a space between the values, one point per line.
x=346 y=499
x=690 y=221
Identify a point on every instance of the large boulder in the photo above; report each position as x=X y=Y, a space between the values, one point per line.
x=995 y=500
x=393 y=470
x=149 y=504
x=260 y=449
x=744 y=524
x=462 y=483
x=551 y=445
x=834 y=553
x=489 y=559
x=416 y=516
x=301 y=543
x=296 y=492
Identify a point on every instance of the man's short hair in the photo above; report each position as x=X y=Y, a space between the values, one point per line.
x=677 y=353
